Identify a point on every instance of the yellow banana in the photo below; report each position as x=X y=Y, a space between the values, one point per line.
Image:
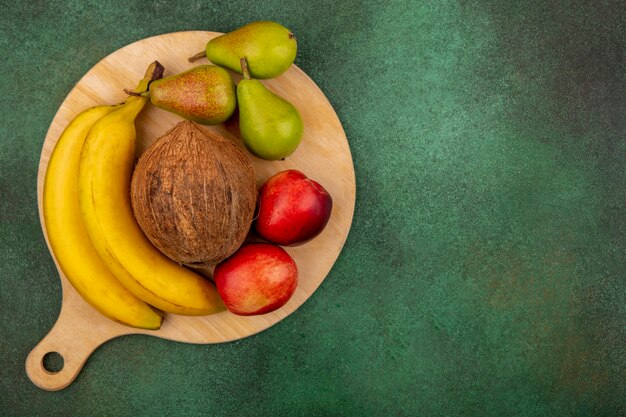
x=68 y=238
x=104 y=193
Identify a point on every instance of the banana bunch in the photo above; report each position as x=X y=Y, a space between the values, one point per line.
x=93 y=233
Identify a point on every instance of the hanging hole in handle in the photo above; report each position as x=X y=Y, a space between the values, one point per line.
x=52 y=362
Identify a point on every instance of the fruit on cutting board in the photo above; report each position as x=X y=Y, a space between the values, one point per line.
x=204 y=94
x=293 y=209
x=269 y=47
x=194 y=195
x=124 y=237
x=104 y=177
x=271 y=127
x=257 y=279
x=68 y=238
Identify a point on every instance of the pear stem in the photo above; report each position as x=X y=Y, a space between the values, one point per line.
x=197 y=56
x=136 y=94
x=244 y=68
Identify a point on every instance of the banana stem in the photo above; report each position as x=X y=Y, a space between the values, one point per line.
x=157 y=71
x=244 y=68
x=154 y=72
x=197 y=56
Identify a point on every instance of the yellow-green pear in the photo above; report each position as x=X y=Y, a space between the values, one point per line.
x=269 y=47
x=271 y=127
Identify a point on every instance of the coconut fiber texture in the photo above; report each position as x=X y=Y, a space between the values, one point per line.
x=180 y=166
x=484 y=272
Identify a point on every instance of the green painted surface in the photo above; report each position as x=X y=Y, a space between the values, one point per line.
x=484 y=273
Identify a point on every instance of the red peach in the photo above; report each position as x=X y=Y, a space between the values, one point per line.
x=293 y=209
x=257 y=279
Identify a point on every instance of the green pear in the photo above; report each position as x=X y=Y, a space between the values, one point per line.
x=271 y=127
x=269 y=47
x=205 y=94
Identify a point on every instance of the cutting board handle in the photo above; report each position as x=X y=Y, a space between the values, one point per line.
x=74 y=340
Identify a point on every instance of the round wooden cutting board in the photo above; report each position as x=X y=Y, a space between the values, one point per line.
x=324 y=156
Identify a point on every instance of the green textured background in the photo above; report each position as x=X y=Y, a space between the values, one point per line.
x=484 y=272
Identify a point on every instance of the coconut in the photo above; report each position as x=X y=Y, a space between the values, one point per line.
x=194 y=195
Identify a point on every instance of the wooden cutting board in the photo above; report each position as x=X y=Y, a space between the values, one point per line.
x=324 y=156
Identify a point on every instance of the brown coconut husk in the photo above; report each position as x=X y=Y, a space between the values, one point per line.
x=194 y=195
